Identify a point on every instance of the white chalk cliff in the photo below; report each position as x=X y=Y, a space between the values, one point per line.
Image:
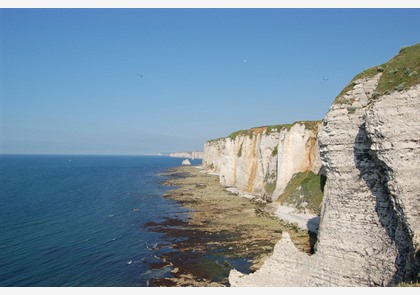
x=369 y=145
x=261 y=161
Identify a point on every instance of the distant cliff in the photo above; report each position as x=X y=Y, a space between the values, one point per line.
x=261 y=161
x=369 y=145
x=187 y=155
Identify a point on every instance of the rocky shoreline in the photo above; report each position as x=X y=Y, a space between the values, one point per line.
x=224 y=231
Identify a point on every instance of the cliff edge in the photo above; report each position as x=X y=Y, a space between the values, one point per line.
x=369 y=146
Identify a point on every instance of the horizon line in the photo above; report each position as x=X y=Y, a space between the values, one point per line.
x=82 y=154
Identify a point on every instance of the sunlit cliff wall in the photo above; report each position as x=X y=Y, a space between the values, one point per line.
x=262 y=160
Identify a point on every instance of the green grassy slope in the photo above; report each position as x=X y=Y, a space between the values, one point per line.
x=399 y=73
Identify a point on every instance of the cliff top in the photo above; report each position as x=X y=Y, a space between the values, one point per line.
x=400 y=72
x=312 y=125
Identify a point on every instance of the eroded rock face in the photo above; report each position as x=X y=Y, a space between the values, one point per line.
x=370 y=222
x=393 y=131
x=262 y=162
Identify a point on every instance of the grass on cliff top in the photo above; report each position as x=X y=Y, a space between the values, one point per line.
x=399 y=73
x=311 y=125
x=402 y=71
x=304 y=191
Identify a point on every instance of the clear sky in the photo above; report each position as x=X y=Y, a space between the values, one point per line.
x=144 y=81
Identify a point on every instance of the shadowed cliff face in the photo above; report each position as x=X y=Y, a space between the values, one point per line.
x=369 y=189
x=394 y=137
x=391 y=213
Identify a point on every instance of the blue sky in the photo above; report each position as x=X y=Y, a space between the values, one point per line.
x=144 y=81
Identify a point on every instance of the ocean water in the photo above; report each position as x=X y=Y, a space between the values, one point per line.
x=78 y=220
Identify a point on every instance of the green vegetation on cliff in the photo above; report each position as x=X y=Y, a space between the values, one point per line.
x=311 y=125
x=304 y=191
x=403 y=71
x=399 y=73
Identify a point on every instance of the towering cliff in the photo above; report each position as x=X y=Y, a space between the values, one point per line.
x=261 y=161
x=369 y=142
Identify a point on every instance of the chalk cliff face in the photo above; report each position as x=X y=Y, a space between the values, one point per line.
x=369 y=234
x=261 y=161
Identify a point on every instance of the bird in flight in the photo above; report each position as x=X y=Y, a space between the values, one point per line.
x=139 y=75
x=325 y=79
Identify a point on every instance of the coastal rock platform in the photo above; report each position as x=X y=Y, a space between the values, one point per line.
x=223 y=232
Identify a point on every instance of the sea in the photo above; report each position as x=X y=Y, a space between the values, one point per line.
x=78 y=221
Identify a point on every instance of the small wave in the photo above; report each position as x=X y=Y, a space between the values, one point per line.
x=135 y=261
x=152 y=246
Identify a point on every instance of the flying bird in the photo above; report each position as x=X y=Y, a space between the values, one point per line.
x=140 y=75
x=325 y=79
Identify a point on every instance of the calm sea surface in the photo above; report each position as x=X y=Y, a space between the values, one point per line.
x=78 y=220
